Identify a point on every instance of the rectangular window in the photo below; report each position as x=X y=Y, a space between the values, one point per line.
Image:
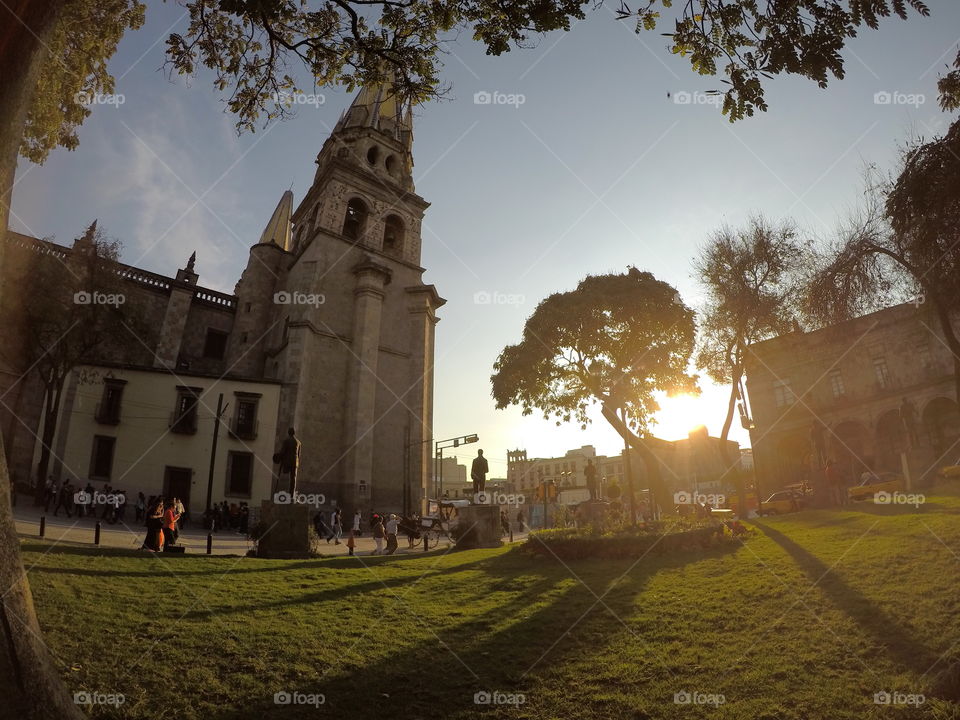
x=215 y=346
x=880 y=370
x=783 y=393
x=836 y=384
x=245 y=418
x=239 y=473
x=101 y=457
x=184 y=419
x=108 y=411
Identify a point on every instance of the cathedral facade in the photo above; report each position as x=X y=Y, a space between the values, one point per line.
x=330 y=316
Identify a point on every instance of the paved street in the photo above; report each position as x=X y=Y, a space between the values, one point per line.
x=130 y=535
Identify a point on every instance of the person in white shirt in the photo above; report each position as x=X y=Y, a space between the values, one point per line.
x=391 y=535
x=356 y=523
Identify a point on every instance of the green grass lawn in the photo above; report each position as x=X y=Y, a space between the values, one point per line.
x=809 y=618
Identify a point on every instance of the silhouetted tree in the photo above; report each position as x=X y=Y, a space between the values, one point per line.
x=903 y=243
x=615 y=340
x=750 y=280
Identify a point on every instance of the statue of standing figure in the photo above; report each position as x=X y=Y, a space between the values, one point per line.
x=290 y=459
x=478 y=472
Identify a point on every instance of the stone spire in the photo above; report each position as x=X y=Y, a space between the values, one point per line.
x=380 y=107
x=277 y=230
x=86 y=241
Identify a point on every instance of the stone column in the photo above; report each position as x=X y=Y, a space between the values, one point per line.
x=422 y=303
x=362 y=380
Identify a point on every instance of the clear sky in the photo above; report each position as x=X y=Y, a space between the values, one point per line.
x=596 y=170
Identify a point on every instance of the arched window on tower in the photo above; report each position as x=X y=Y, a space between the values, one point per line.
x=315 y=219
x=393 y=235
x=355 y=220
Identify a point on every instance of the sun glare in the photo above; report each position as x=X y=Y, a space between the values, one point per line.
x=682 y=413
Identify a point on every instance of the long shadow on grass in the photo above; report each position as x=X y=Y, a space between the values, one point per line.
x=886 y=631
x=184 y=561
x=514 y=647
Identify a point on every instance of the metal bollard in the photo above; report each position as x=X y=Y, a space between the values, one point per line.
x=96 y=534
x=209 y=543
x=43 y=525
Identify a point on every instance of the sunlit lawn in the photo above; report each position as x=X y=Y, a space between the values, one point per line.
x=812 y=616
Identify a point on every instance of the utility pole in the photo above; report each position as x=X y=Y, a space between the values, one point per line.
x=213 y=450
x=627 y=467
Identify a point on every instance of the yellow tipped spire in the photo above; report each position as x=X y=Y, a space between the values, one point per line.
x=277 y=230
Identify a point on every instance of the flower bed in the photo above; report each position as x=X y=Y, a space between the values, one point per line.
x=574 y=544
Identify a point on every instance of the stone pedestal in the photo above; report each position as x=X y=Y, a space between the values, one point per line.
x=593 y=512
x=286 y=531
x=478 y=526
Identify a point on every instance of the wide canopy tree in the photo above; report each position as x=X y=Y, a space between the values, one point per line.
x=615 y=340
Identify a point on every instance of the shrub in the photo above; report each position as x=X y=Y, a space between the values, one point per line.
x=575 y=544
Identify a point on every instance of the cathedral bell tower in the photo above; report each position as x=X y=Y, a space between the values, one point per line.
x=350 y=327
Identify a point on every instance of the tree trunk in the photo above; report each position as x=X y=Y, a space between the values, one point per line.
x=650 y=460
x=30 y=684
x=728 y=464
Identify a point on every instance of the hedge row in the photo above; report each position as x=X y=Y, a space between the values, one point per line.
x=570 y=544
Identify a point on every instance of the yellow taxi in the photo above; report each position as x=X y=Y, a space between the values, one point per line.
x=950 y=472
x=784 y=501
x=874 y=483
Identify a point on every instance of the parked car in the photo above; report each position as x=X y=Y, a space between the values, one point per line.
x=784 y=501
x=950 y=472
x=884 y=482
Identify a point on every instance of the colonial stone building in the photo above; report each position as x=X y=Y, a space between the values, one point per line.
x=868 y=393
x=330 y=308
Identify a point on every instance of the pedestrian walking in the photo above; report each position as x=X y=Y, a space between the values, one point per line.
x=336 y=525
x=170 y=518
x=379 y=534
x=356 y=523
x=64 y=499
x=391 y=535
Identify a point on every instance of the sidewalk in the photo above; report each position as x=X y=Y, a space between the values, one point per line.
x=130 y=535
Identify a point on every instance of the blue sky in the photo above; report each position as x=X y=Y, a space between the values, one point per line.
x=596 y=170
